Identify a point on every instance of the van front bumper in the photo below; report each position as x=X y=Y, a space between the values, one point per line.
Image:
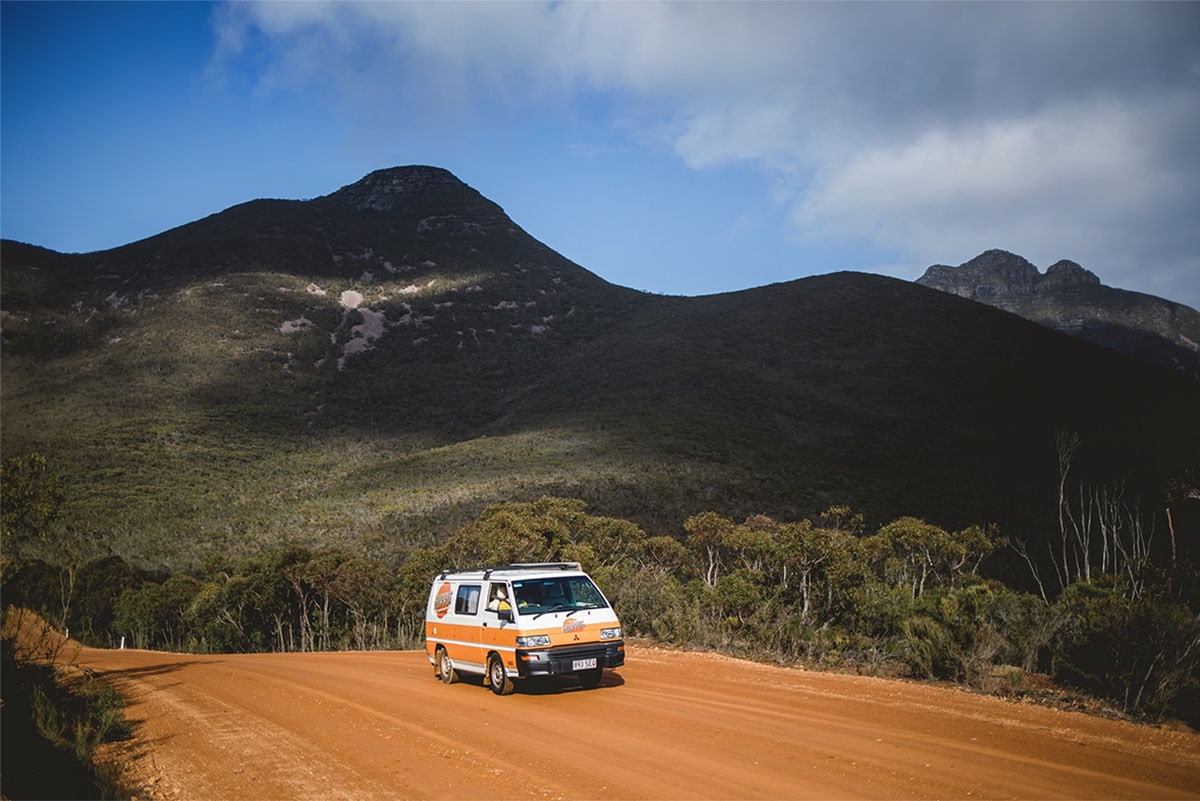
x=571 y=659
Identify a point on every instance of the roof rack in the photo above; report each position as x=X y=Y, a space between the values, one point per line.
x=490 y=569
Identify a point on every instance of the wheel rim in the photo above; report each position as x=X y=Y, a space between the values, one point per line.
x=497 y=673
x=444 y=665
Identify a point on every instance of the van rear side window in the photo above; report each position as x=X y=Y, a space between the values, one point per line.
x=467 y=600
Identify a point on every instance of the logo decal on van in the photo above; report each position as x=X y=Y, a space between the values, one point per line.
x=571 y=624
x=441 y=604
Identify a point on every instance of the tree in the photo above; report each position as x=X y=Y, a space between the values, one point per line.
x=226 y=617
x=412 y=591
x=364 y=588
x=707 y=535
x=663 y=555
x=843 y=518
x=1183 y=488
x=320 y=573
x=910 y=551
x=98 y=585
x=30 y=500
x=299 y=577
x=71 y=548
x=738 y=595
x=517 y=532
x=752 y=545
x=174 y=599
x=1066 y=443
x=30 y=496
x=269 y=613
x=802 y=550
x=616 y=543
x=157 y=615
x=1020 y=545
x=1143 y=653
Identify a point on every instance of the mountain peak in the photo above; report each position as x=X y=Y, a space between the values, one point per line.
x=1066 y=273
x=990 y=275
x=1071 y=299
x=997 y=276
x=394 y=188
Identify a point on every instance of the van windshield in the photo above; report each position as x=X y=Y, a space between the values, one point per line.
x=558 y=594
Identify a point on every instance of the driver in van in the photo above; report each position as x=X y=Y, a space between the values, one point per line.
x=528 y=594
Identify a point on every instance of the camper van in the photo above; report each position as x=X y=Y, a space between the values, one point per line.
x=521 y=621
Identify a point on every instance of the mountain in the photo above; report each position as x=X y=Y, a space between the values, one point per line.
x=372 y=367
x=1071 y=299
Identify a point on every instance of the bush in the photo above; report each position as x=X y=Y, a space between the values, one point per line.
x=1143 y=654
x=929 y=650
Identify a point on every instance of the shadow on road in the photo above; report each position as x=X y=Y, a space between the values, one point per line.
x=143 y=671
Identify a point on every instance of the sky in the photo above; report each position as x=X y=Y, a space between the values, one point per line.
x=679 y=148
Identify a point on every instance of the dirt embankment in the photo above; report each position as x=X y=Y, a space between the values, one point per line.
x=668 y=725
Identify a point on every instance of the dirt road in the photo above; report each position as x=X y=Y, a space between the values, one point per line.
x=668 y=725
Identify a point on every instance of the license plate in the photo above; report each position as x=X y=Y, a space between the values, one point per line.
x=583 y=664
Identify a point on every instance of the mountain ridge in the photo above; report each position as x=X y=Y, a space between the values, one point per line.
x=1072 y=299
x=347 y=370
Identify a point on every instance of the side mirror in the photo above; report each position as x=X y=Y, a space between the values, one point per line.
x=505 y=615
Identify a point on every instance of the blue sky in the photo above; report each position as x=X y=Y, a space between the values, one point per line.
x=682 y=148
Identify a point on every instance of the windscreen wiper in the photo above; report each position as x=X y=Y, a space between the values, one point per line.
x=559 y=608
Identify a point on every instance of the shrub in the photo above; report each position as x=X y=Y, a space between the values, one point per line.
x=1143 y=654
x=929 y=650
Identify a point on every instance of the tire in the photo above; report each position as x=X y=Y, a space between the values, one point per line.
x=445 y=668
x=590 y=679
x=497 y=678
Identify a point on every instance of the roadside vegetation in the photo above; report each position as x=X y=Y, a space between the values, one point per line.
x=55 y=717
x=907 y=598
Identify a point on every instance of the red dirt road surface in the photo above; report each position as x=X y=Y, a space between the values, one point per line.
x=668 y=725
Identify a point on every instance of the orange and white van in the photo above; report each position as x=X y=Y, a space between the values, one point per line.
x=520 y=621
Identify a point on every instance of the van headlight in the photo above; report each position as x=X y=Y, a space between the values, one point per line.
x=610 y=634
x=535 y=641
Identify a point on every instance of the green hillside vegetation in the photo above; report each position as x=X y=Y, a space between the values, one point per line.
x=199 y=391
x=188 y=389
x=359 y=379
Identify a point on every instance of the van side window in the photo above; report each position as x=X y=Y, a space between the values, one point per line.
x=467 y=600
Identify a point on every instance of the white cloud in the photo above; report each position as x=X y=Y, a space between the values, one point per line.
x=1085 y=182
x=995 y=175
x=761 y=132
x=933 y=129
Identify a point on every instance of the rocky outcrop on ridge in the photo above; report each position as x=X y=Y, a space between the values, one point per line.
x=1071 y=299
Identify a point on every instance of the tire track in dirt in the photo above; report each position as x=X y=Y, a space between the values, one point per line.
x=668 y=725
x=208 y=725
x=419 y=732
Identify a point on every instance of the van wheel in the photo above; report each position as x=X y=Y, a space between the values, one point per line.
x=445 y=668
x=498 y=680
x=590 y=679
